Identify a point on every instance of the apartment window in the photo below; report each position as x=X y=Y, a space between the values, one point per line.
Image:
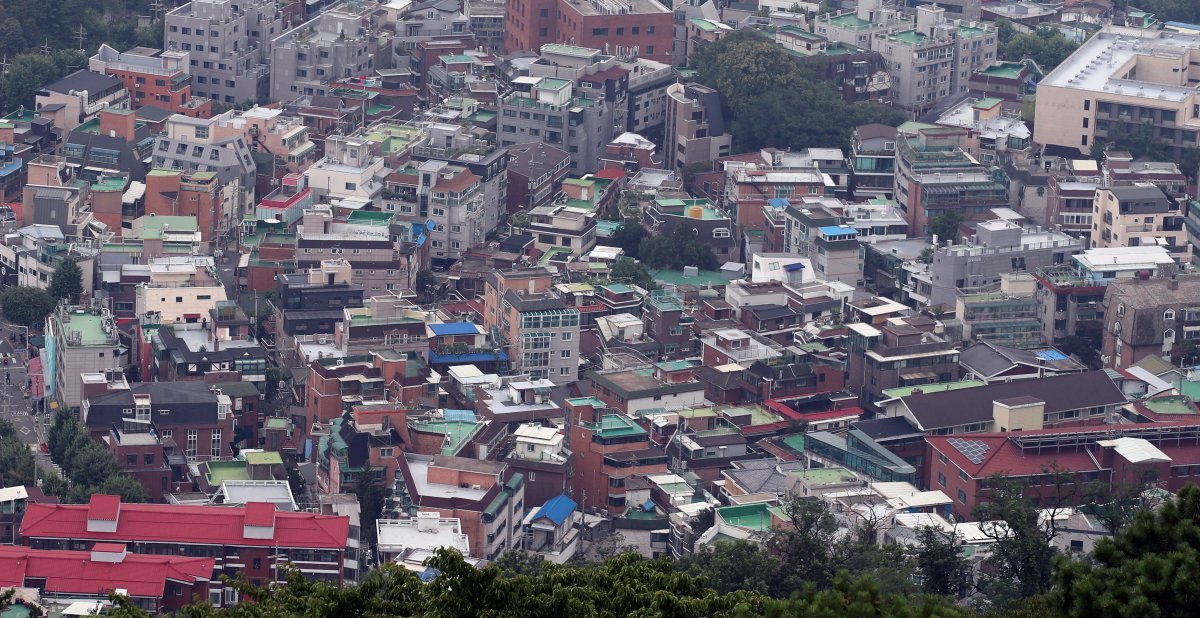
x=566 y=336
x=544 y=12
x=941 y=479
x=564 y=371
x=350 y=186
x=564 y=354
x=649 y=29
x=1087 y=104
x=187 y=31
x=193 y=438
x=962 y=496
x=599 y=31
x=635 y=30
x=148 y=458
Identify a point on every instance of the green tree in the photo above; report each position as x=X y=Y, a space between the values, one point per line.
x=945 y=226
x=728 y=566
x=370 y=502
x=943 y=568
x=628 y=237
x=424 y=283
x=1046 y=46
x=125 y=486
x=806 y=541
x=630 y=271
x=67 y=281
x=27 y=306
x=1021 y=558
x=1151 y=568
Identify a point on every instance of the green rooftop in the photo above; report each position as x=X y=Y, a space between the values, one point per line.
x=456 y=58
x=795 y=441
x=909 y=37
x=587 y=401
x=905 y=391
x=704 y=24
x=969 y=31
x=90 y=328
x=152 y=225
x=617 y=288
x=851 y=21
x=457 y=433
x=702 y=278
x=109 y=183
x=1171 y=404
x=276 y=423
x=264 y=458
x=755 y=517
x=1004 y=70
x=93 y=126
x=26 y=115
x=987 y=103
x=221 y=471
x=554 y=83
x=675 y=365
x=615 y=426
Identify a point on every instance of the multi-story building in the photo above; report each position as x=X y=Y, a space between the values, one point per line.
x=999 y=135
x=535 y=327
x=648 y=83
x=486 y=22
x=351 y=168
x=1121 y=79
x=1149 y=317
x=712 y=225
x=270 y=130
x=344 y=41
x=1071 y=196
x=911 y=353
x=1009 y=316
x=695 y=128
x=750 y=186
x=1071 y=295
x=194 y=145
x=152 y=77
x=535 y=171
x=610 y=450
x=627 y=27
x=337 y=384
x=229 y=43
x=935 y=174
x=561 y=228
x=365 y=240
x=563 y=112
x=79 y=97
x=998 y=247
x=79 y=340
x=929 y=56
x=173 y=193
x=668 y=385
x=257 y=540
x=351 y=448
x=312 y=303
x=873 y=161
x=1139 y=215
x=486 y=497
x=199 y=420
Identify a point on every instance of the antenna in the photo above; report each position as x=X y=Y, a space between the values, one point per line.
x=45 y=49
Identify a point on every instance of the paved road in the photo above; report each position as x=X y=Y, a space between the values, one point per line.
x=14 y=400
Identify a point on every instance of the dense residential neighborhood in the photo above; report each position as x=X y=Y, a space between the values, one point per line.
x=828 y=305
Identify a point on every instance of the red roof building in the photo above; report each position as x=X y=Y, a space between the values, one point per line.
x=157 y=584
x=251 y=541
x=960 y=465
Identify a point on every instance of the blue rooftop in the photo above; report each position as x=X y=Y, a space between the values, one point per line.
x=837 y=230
x=557 y=509
x=1051 y=355
x=778 y=202
x=793 y=267
x=454 y=328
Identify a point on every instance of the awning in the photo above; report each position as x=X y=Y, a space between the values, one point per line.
x=919 y=375
x=191 y=316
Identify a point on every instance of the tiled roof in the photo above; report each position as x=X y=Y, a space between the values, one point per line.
x=75 y=573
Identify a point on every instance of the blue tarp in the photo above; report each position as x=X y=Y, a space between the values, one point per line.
x=454 y=328
x=459 y=415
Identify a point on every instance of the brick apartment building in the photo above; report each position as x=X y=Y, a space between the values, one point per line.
x=199 y=420
x=153 y=77
x=609 y=449
x=619 y=25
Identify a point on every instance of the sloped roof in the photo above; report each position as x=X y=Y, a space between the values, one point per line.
x=558 y=509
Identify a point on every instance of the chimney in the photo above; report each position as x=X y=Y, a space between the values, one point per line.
x=1172 y=284
x=118 y=123
x=103 y=512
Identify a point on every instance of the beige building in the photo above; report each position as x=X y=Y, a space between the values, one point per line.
x=696 y=131
x=1139 y=215
x=1123 y=76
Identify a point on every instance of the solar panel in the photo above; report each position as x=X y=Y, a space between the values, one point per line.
x=973 y=450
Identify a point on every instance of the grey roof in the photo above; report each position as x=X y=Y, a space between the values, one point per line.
x=988 y=359
x=762 y=475
x=1154 y=293
x=84 y=80
x=533 y=160
x=537 y=302
x=153 y=113
x=974 y=405
x=881 y=428
x=187 y=403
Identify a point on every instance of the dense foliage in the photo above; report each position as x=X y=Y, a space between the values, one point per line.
x=682 y=247
x=67 y=282
x=90 y=468
x=773 y=101
x=28 y=25
x=1045 y=46
x=27 y=306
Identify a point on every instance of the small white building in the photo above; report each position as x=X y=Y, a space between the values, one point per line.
x=398 y=540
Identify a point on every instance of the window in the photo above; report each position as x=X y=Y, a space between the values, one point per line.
x=216 y=443
x=566 y=336
x=962 y=496
x=941 y=479
x=350 y=186
x=192 y=439
x=599 y=31
x=564 y=354
x=148 y=458
x=564 y=371
x=131 y=460
x=1169 y=314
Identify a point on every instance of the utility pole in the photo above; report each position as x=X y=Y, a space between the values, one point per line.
x=46 y=50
